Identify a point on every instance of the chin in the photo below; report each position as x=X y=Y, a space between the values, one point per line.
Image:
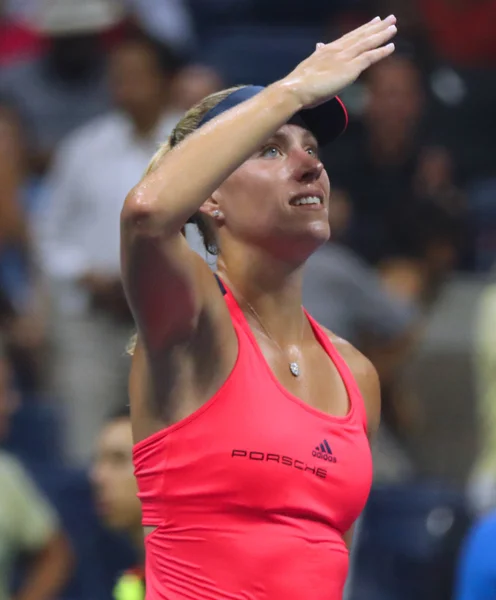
x=320 y=231
x=298 y=245
x=312 y=235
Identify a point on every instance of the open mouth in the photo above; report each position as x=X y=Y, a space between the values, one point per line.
x=307 y=202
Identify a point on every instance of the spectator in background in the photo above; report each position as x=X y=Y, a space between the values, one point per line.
x=407 y=212
x=116 y=497
x=28 y=525
x=23 y=316
x=460 y=71
x=94 y=168
x=50 y=88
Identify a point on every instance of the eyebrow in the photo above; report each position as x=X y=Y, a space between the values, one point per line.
x=307 y=137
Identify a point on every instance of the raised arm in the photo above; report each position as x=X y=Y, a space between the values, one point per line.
x=162 y=277
x=166 y=284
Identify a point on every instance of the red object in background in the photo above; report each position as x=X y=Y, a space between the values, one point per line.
x=462 y=32
x=18 y=42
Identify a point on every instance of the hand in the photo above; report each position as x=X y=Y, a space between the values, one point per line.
x=334 y=66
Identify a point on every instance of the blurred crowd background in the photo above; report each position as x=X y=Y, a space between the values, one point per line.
x=88 y=89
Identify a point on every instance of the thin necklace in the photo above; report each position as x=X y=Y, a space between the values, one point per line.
x=294 y=367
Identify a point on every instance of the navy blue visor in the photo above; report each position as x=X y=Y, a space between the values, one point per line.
x=326 y=121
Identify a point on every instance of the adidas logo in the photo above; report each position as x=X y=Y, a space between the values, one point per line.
x=323 y=451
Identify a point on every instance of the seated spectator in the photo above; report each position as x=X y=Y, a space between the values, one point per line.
x=94 y=169
x=29 y=527
x=460 y=74
x=397 y=182
x=49 y=87
x=476 y=577
x=116 y=497
x=23 y=316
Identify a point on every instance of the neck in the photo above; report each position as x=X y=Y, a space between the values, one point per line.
x=272 y=288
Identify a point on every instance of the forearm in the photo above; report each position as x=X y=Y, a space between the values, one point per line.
x=188 y=175
x=49 y=572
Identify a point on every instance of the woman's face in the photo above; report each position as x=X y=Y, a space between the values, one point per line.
x=261 y=202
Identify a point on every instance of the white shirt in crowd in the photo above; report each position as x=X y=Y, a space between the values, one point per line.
x=94 y=169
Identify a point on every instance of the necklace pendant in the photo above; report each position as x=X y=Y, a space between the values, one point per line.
x=294 y=368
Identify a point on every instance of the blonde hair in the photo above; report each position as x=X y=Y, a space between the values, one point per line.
x=187 y=125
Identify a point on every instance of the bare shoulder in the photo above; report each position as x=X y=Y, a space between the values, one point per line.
x=366 y=377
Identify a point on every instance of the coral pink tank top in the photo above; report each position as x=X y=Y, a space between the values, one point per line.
x=252 y=493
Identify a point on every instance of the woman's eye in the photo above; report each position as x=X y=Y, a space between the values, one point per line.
x=270 y=152
x=313 y=152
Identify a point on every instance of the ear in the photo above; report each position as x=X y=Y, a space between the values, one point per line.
x=210 y=208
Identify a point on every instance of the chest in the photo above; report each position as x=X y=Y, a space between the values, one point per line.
x=306 y=372
x=264 y=453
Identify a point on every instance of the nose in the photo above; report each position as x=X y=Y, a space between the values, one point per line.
x=308 y=168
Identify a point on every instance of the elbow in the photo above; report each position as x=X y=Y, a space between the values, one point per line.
x=139 y=210
x=144 y=215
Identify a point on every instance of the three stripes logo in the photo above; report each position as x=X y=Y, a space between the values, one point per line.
x=324 y=452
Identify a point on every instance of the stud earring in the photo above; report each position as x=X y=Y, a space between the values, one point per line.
x=216 y=213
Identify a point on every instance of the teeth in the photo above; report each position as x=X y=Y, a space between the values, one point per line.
x=308 y=200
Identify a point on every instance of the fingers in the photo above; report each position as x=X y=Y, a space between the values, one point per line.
x=374 y=26
x=367 y=59
x=372 y=41
x=359 y=30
